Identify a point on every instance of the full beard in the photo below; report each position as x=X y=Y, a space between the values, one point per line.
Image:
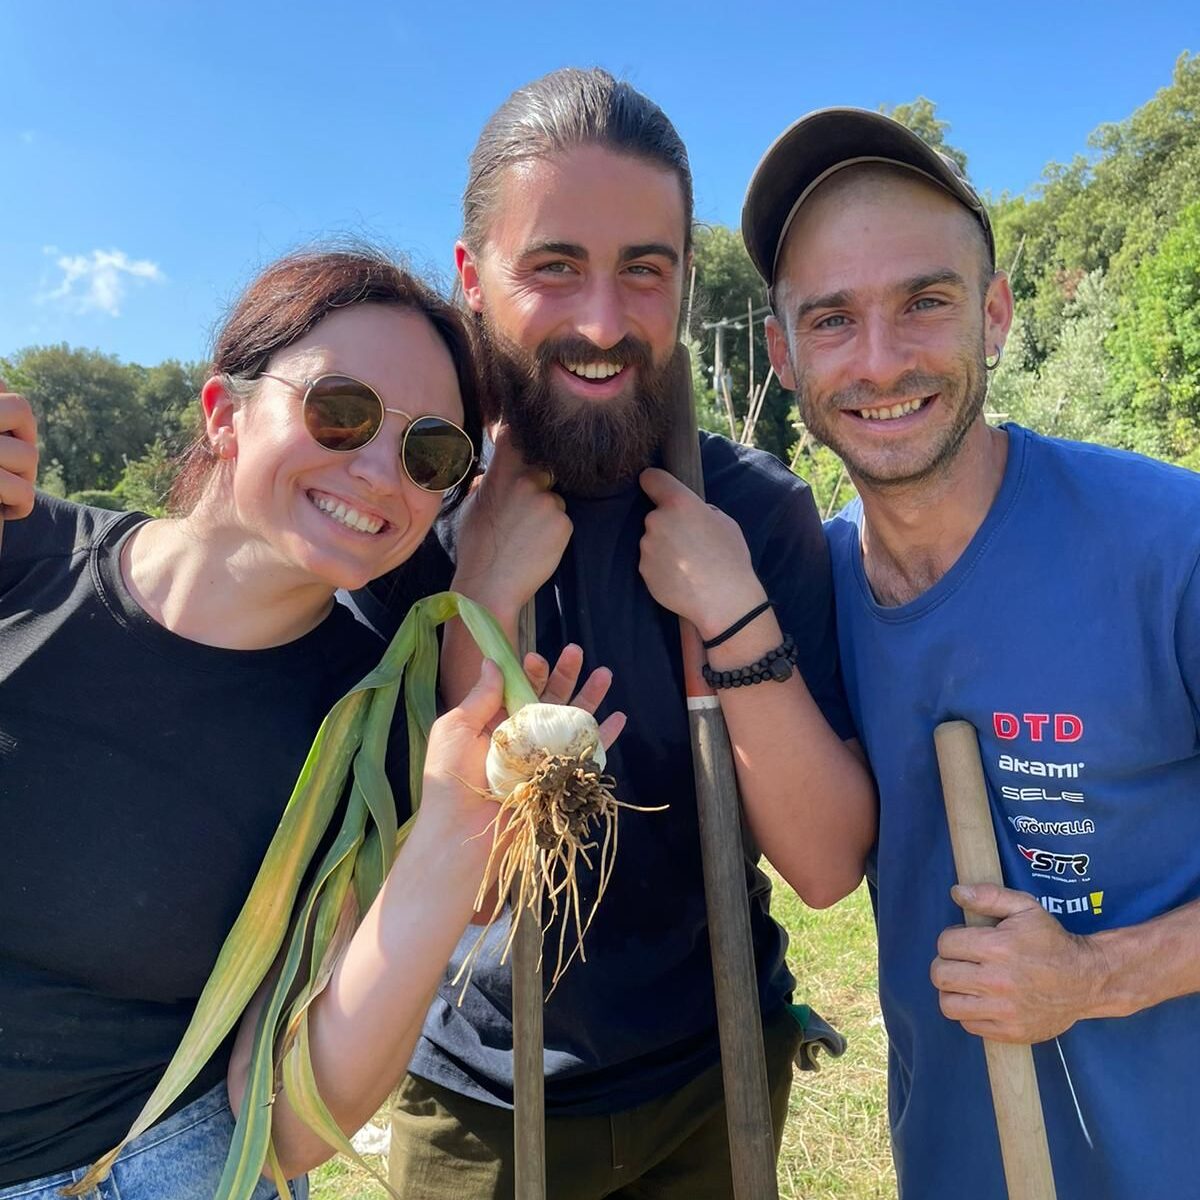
x=962 y=392
x=589 y=447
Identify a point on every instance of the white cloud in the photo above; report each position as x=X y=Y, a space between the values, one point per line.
x=98 y=282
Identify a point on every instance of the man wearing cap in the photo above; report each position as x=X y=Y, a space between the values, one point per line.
x=1048 y=593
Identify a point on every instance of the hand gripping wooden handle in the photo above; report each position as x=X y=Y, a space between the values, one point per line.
x=1019 y=1119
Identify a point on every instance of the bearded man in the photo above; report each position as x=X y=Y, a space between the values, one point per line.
x=576 y=242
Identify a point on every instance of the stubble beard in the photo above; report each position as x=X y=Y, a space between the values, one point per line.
x=589 y=447
x=964 y=392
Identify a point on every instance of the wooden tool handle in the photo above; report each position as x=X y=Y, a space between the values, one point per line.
x=739 y=1019
x=1018 y=1106
x=529 y=1094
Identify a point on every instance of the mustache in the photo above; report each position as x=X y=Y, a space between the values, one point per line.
x=628 y=352
x=911 y=384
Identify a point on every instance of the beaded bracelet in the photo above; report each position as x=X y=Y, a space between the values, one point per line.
x=776 y=664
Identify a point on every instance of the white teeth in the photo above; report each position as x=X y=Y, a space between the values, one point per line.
x=593 y=370
x=345 y=515
x=888 y=414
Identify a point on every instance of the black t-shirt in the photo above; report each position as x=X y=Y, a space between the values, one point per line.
x=638 y=1018
x=141 y=778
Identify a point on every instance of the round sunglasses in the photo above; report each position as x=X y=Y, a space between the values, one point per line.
x=344 y=414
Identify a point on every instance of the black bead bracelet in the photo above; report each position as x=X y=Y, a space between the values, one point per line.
x=776 y=664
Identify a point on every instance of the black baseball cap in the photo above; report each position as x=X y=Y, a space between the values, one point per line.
x=818 y=145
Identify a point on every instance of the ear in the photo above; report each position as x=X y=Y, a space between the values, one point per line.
x=997 y=313
x=219 y=409
x=778 y=353
x=468 y=276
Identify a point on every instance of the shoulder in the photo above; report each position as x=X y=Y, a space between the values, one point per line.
x=741 y=479
x=843 y=529
x=59 y=528
x=1095 y=474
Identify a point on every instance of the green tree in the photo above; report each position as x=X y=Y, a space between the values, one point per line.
x=1156 y=343
x=169 y=396
x=730 y=293
x=89 y=418
x=1069 y=395
x=1104 y=211
x=920 y=115
x=146 y=482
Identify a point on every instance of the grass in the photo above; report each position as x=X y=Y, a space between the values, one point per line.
x=835 y=1144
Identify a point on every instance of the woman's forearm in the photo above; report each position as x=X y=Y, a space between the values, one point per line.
x=365 y=1024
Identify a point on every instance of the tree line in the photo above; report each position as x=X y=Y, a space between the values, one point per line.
x=1103 y=254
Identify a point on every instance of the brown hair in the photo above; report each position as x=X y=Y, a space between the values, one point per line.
x=286 y=300
x=568 y=108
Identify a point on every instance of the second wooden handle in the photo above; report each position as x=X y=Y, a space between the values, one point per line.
x=1019 y=1119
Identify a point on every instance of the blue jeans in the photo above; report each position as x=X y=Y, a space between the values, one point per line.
x=180 y=1158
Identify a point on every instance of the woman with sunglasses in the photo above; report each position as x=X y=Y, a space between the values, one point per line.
x=161 y=681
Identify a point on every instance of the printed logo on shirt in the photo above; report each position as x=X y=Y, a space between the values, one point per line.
x=1052 y=828
x=1042 y=770
x=1092 y=902
x=1029 y=795
x=1047 y=863
x=1063 y=727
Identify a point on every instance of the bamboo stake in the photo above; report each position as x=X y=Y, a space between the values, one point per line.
x=743 y=1063
x=750 y=344
x=1019 y=1120
x=719 y=377
x=837 y=487
x=757 y=398
x=529 y=1084
x=801 y=446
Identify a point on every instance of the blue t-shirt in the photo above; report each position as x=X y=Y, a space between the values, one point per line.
x=1068 y=634
x=638 y=1018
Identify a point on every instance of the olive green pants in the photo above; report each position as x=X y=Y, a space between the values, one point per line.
x=451 y=1147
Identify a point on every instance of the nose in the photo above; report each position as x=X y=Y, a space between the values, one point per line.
x=883 y=354
x=600 y=316
x=377 y=464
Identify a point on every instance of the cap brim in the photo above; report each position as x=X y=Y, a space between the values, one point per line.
x=815 y=146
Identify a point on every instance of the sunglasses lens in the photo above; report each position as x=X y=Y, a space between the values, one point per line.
x=341 y=413
x=437 y=454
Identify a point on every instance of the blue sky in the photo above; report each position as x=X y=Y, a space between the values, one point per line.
x=152 y=155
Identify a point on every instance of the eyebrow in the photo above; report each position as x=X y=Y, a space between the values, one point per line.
x=648 y=250
x=915 y=283
x=627 y=253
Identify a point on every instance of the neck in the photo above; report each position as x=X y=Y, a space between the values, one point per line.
x=914 y=533
x=211 y=584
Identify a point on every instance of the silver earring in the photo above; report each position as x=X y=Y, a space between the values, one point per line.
x=991 y=362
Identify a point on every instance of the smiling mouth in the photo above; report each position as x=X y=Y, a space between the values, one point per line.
x=593 y=372
x=346 y=515
x=890 y=412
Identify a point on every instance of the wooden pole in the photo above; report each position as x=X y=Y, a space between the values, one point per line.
x=529 y=1094
x=743 y=1064
x=721 y=390
x=1019 y=1118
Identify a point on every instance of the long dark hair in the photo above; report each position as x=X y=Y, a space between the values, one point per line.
x=284 y=301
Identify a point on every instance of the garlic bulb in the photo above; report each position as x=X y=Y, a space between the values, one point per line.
x=521 y=744
x=557 y=815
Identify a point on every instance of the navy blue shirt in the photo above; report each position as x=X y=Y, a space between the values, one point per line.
x=1068 y=634
x=637 y=1019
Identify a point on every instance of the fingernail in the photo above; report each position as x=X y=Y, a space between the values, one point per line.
x=965 y=891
